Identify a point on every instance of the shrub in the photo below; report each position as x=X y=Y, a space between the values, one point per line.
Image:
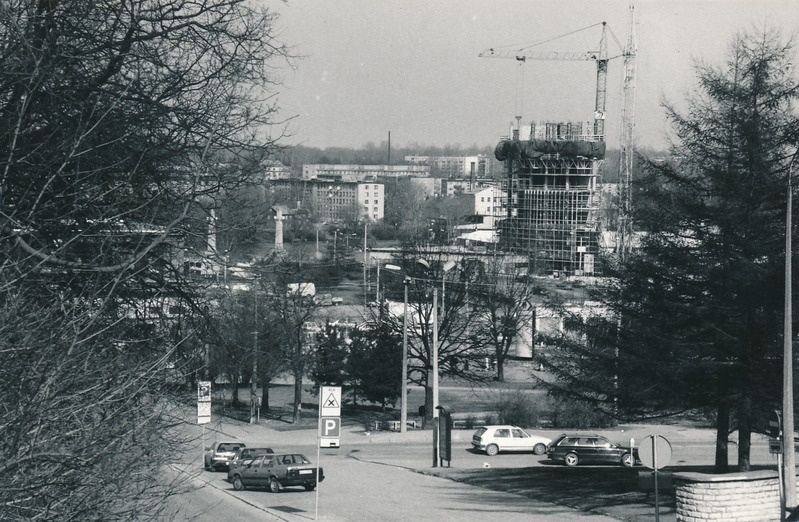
x=517 y=410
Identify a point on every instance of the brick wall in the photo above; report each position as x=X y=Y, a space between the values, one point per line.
x=731 y=497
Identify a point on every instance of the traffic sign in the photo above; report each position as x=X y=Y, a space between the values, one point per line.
x=330 y=427
x=330 y=401
x=654 y=451
x=203 y=402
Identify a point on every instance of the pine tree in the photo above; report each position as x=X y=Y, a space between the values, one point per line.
x=693 y=320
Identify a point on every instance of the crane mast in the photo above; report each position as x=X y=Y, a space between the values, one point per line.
x=627 y=144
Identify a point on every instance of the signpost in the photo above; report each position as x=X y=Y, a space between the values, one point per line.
x=655 y=455
x=329 y=426
x=203 y=411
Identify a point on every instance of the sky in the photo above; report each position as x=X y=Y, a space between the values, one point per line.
x=411 y=67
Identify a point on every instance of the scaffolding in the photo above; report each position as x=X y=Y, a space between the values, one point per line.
x=551 y=202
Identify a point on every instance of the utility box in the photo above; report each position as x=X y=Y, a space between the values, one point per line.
x=445 y=437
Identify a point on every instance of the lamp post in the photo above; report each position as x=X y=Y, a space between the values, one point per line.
x=788 y=451
x=404 y=398
x=446 y=267
x=404 y=393
x=254 y=410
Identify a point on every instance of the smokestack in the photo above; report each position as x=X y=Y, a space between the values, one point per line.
x=388 y=162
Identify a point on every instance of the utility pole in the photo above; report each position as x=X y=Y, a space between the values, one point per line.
x=434 y=364
x=365 y=260
x=404 y=398
x=788 y=450
x=254 y=410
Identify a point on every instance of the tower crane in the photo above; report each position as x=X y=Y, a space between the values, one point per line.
x=600 y=56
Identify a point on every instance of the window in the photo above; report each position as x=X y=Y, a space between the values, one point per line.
x=519 y=434
x=503 y=433
x=366 y=202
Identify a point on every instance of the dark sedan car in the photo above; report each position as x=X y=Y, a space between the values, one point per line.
x=276 y=472
x=590 y=449
x=246 y=455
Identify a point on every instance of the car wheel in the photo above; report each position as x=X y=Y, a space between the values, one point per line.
x=571 y=459
x=539 y=449
x=238 y=485
x=492 y=449
x=627 y=460
x=310 y=487
x=274 y=485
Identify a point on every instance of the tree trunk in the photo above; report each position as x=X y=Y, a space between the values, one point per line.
x=297 y=396
x=265 y=397
x=234 y=392
x=722 y=434
x=744 y=432
x=500 y=368
x=427 y=421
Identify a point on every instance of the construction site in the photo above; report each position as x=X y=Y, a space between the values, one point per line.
x=550 y=210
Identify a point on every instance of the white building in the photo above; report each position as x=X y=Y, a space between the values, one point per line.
x=363 y=172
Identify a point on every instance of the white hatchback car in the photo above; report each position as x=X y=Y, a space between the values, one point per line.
x=493 y=439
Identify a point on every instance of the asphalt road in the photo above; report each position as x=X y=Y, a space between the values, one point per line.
x=389 y=476
x=358 y=490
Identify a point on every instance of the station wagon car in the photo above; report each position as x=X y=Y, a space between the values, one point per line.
x=590 y=449
x=276 y=472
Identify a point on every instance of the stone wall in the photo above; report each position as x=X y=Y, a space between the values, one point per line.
x=731 y=497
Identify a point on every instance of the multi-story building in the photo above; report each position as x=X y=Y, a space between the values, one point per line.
x=276 y=170
x=333 y=201
x=480 y=166
x=552 y=202
x=363 y=172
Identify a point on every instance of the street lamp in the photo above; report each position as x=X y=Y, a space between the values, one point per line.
x=404 y=394
x=446 y=267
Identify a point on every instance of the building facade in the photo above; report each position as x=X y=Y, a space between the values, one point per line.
x=363 y=172
x=333 y=201
x=551 y=211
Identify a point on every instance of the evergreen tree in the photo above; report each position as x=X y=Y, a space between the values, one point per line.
x=694 y=318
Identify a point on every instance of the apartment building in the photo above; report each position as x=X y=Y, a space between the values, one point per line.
x=363 y=172
x=333 y=201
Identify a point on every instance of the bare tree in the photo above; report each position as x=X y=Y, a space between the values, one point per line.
x=452 y=320
x=505 y=311
x=121 y=125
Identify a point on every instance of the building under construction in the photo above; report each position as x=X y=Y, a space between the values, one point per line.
x=551 y=202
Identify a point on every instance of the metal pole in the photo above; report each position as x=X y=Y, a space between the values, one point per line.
x=404 y=403
x=377 y=285
x=434 y=361
x=655 y=471
x=254 y=380
x=789 y=456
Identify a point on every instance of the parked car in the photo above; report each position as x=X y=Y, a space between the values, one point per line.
x=220 y=454
x=245 y=455
x=276 y=471
x=493 y=439
x=576 y=449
